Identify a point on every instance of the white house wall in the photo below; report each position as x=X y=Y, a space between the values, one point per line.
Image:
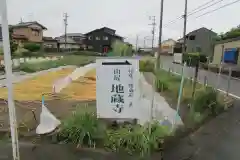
x=168 y=46
x=69 y=46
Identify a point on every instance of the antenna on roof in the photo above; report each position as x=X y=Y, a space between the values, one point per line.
x=21 y=20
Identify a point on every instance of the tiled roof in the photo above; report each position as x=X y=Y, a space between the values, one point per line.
x=49 y=39
x=202 y=28
x=26 y=24
x=105 y=29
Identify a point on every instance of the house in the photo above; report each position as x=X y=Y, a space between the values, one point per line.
x=100 y=40
x=50 y=44
x=167 y=46
x=69 y=45
x=227 y=51
x=28 y=32
x=200 y=40
x=77 y=37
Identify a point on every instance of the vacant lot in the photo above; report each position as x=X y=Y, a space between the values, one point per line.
x=66 y=60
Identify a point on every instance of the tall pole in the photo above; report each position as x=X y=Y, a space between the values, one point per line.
x=136 y=43
x=144 y=42
x=160 y=37
x=65 y=29
x=184 y=28
x=8 y=69
x=153 y=18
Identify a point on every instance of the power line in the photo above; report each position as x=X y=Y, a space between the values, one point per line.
x=194 y=11
x=201 y=6
x=226 y=5
x=205 y=7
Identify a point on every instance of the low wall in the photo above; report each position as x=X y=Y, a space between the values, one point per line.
x=18 y=61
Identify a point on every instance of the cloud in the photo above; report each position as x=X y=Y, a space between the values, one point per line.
x=128 y=17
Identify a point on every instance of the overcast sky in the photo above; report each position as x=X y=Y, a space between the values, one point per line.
x=127 y=17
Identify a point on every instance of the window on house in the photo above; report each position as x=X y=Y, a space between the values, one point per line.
x=90 y=38
x=90 y=47
x=35 y=32
x=192 y=37
x=97 y=38
x=105 y=38
x=198 y=49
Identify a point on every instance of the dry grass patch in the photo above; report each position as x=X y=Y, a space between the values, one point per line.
x=32 y=89
x=84 y=88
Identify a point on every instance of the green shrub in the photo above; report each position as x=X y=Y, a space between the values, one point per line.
x=86 y=53
x=32 y=54
x=196 y=117
x=136 y=139
x=146 y=66
x=67 y=60
x=32 y=47
x=206 y=102
x=191 y=59
x=1 y=51
x=161 y=85
x=82 y=129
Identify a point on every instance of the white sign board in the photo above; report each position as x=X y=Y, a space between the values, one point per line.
x=177 y=58
x=117 y=88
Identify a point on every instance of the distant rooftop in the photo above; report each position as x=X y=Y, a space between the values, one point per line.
x=26 y=24
x=74 y=34
x=106 y=30
x=49 y=39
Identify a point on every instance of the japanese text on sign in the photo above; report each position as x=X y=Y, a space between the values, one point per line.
x=117 y=98
x=130 y=86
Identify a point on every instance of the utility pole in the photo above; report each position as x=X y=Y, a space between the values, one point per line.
x=160 y=37
x=136 y=43
x=65 y=20
x=153 y=24
x=8 y=71
x=144 y=42
x=184 y=28
x=21 y=20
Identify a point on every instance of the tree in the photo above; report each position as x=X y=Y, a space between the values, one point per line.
x=232 y=33
x=13 y=45
x=122 y=49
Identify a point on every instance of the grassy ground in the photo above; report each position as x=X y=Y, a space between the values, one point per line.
x=76 y=60
x=172 y=83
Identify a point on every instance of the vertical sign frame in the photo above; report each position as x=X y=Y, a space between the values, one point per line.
x=117 y=87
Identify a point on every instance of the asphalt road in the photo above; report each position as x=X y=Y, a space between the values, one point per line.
x=212 y=78
x=217 y=140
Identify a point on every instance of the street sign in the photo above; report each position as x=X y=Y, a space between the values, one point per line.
x=117 y=91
